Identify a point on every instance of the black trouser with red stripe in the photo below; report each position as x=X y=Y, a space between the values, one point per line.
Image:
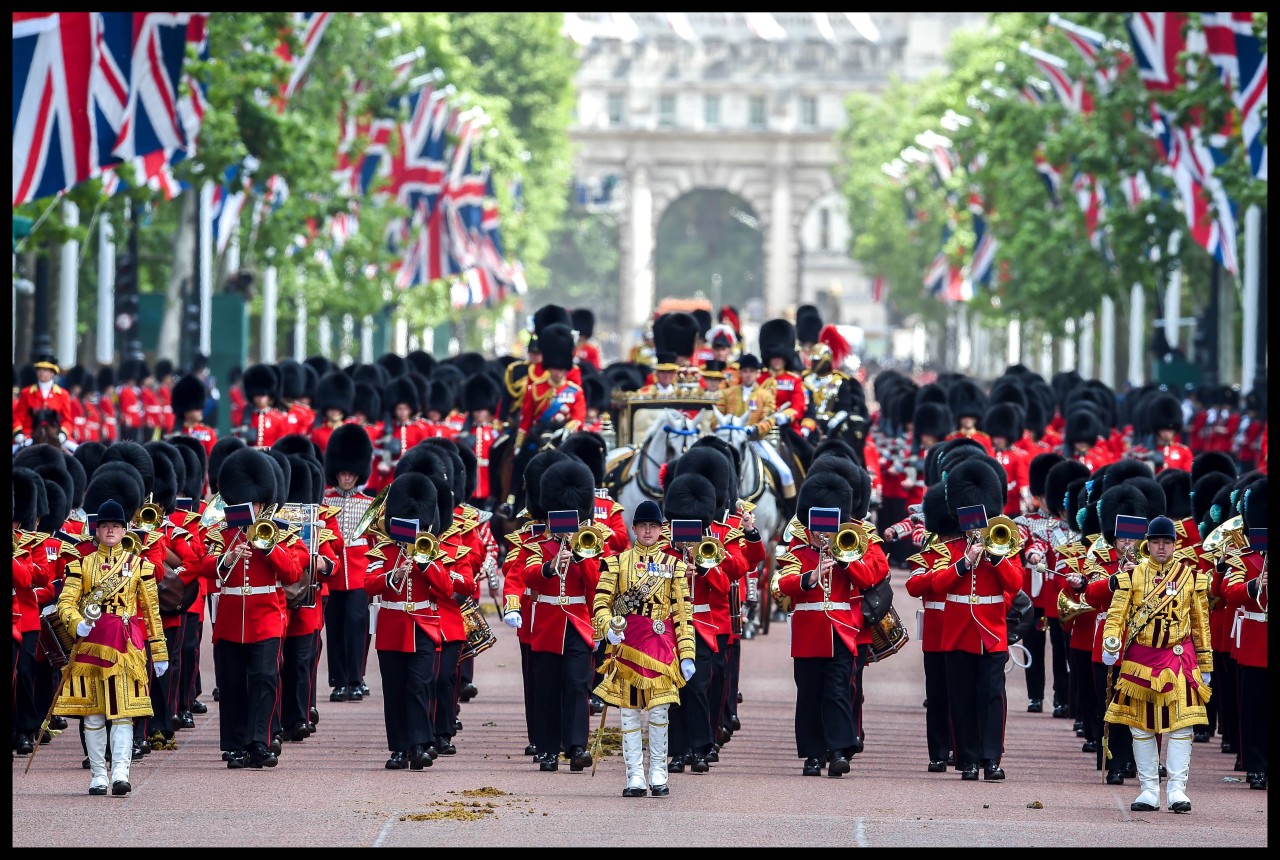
x=561 y=695
x=408 y=693
x=719 y=682
x=1061 y=676
x=189 y=671
x=1252 y=683
x=295 y=679
x=691 y=719
x=1034 y=643
x=346 y=617
x=937 y=713
x=447 y=689
x=1081 y=662
x=1119 y=741
x=975 y=691
x=824 y=702
x=248 y=678
x=1226 y=693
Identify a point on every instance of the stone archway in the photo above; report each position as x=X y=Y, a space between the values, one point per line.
x=708 y=241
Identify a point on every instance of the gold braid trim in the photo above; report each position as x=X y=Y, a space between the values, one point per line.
x=132 y=662
x=626 y=674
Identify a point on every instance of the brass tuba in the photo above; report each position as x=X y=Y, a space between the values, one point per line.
x=1069 y=608
x=1228 y=536
x=1001 y=537
x=850 y=543
x=214 y=512
x=372 y=519
x=709 y=553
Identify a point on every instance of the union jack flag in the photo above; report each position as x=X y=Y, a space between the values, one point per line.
x=1073 y=94
x=1236 y=51
x=1051 y=175
x=153 y=170
x=309 y=27
x=1092 y=46
x=984 y=244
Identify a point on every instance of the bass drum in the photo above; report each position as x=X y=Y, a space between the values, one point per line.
x=479 y=636
x=888 y=636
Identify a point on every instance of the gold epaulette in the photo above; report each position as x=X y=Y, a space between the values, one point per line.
x=733 y=534
x=461 y=551
x=377 y=550
x=192 y=520
x=788 y=558
x=917 y=560
x=515 y=387
x=327 y=511
x=1187 y=553
x=1069 y=550
x=327 y=535
x=152 y=537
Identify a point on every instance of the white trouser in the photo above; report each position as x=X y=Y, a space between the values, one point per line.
x=633 y=748
x=658 y=745
x=95 y=739
x=770 y=453
x=1146 y=757
x=1177 y=761
x=121 y=749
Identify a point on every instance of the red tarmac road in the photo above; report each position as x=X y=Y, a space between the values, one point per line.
x=332 y=790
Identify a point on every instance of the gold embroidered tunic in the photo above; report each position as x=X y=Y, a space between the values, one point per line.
x=1159 y=686
x=646 y=586
x=109 y=672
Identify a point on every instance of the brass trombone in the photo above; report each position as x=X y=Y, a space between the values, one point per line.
x=1001 y=537
x=149 y=516
x=586 y=542
x=426 y=548
x=709 y=552
x=850 y=543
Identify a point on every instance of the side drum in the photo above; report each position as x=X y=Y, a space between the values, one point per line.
x=888 y=636
x=55 y=639
x=479 y=635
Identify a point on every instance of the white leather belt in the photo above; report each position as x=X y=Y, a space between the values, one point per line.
x=701 y=607
x=246 y=590
x=407 y=606
x=820 y=606
x=974 y=599
x=560 y=601
x=934 y=604
x=528 y=592
x=1254 y=616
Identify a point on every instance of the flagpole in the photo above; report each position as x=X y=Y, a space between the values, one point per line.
x=1107 y=369
x=267 y=344
x=106 y=350
x=1137 y=328
x=205 y=273
x=1249 y=310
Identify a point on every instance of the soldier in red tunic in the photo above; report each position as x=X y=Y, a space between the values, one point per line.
x=968 y=404
x=262 y=424
x=1164 y=416
x=584 y=323
x=293 y=397
x=188 y=398
x=549 y=405
x=335 y=398
x=47 y=395
x=129 y=394
x=480 y=396
x=1246 y=593
x=250 y=625
x=1003 y=423
x=400 y=435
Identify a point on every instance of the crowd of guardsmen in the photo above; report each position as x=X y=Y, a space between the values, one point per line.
x=404 y=469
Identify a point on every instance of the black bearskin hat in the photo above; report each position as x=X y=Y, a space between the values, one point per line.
x=26 y=510
x=1253 y=505
x=335 y=390
x=1212 y=461
x=690 y=496
x=1153 y=493
x=974 y=482
x=89 y=455
x=858 y=478
x=713 y=466
x=300 y=491
x=78 y=478
x=1122 y=470
x=468 y=363
x=293 y=379
x=319 y=364
x=824 y=490
x=1038 y=471
x=808 y=324
x=932 y=392
x=679 y=334
x=596 y=388
x=1164 y=412
x=1120 y=500
x=557 y=347
x=932 y=419
x=366 y=401
x=550 y=315
x=1204 y=491
x=280 y=470
x=317 y=481
x=393 y=364
x=166 y=461
x=937 y=518
x=589 y=448
x=1003 y=420
x=538 y=465
x=421 y=361
x=1081 y=426
x=902 y=407
x=469 y=465
x=440 y=397
x=1007 y=390
x=777 y=339
x=427 y=460
x=1176 y=484
x=188 y=395
x=137 y=457
x=1075 y=504
x=402 y=390
x=371 y=374
x=731 y=454
x=117 y=481
x=260 y=379
x=193 y=454
x=222 y=449
x=584 y=322
x=247 y=475
x=967 y=400
x=481 y=391
x=349 y=450
x=940 y=454
x=1093 y=489
x=448 y=450
x=106 y=378
x=413 y=497
x=837 y=448
x=567 y=486
x=58 y=507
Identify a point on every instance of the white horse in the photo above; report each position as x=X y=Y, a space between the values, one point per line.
x=671 y=434
x=754 y=484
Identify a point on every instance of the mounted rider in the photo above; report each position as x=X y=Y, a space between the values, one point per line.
x=750 y=405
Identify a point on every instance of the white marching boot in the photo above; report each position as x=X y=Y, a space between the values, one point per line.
x=1147 y=758
x=1178 y=764
x=95 y=739
x=121 y=755
x=633 y=754
x=658 y=751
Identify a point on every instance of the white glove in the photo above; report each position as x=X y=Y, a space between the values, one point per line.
x=686 y=668
x=512 y=620
x=70 y=446
x=83 y=628
x=1207 y=677
x=780 y=418
x=161 y=667
x=615 y=637
x=1110 y=658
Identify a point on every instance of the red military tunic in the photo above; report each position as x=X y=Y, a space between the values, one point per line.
x=1016 y=463
x=203 y=433
x=562 y=606
x=539 y=398
x=461 y=562
x=483 y=436
x=818 y=614
x=974 y=620
x=1249 y=629
x=32 y=399
x=164 y=393
x=349 y=575
x=609 y=514
x=299 y=419
x=1176 y=456
x=788 y=394
x=188 y=545
x=152 y=408
x=110 y=422
x=920 y=584
x=251 y=607
x=267 y=426
x=321 y=431
x=517 y=594
x=411 y=605
x=132 y=414
x=977 y=436
x=588 y=353
x=407 y=435
x=238 y=404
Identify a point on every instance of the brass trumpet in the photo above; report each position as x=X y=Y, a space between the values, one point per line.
x=1069 y=608
x=850 y=543
x=709 y=553
x=426 y=548
x=1001 y=537
x=149 y=516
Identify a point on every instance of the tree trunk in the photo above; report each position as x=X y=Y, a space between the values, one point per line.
x=181 y=278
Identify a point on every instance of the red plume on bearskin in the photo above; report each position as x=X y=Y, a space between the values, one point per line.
x=662 y=476
x=835 y=341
